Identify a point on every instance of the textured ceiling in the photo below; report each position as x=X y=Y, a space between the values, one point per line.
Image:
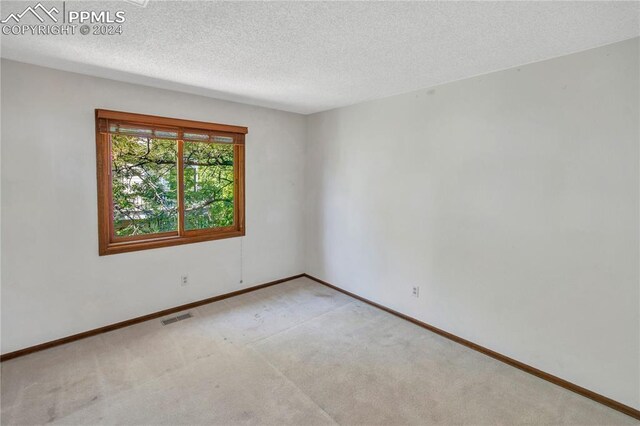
x=312 y=56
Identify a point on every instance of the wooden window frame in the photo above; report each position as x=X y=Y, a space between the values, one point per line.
x=108 y=243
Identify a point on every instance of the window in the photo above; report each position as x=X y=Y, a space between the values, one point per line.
x=164 y=181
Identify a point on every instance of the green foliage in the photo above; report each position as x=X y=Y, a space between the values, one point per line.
x=208 y=185
x=144 y=185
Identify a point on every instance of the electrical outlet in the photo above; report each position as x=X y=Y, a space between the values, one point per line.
x=184 y=280
x=416 y=291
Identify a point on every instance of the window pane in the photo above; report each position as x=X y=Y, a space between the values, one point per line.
x=144 y=183
x=208 y=185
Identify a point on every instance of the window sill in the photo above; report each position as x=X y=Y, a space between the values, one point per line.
x=174 y=240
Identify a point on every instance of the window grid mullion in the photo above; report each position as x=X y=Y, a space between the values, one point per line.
x=181 y=200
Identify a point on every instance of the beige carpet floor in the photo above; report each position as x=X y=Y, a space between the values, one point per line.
x=296 y=353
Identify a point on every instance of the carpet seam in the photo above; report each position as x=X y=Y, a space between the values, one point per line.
x=289 y=380
x=253 y=342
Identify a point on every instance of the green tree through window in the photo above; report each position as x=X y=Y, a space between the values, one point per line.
x=208 y=185
x=165 y=181
x=144 y=185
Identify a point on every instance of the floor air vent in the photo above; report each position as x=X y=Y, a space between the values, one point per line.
x=181 y=317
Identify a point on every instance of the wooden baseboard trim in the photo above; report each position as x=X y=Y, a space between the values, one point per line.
x=630 y=411
x=164 y=312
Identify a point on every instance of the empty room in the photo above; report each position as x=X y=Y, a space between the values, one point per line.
x=320 y=212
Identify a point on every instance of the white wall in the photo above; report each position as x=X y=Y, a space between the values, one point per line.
x=510 y=198
x=53 y=282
